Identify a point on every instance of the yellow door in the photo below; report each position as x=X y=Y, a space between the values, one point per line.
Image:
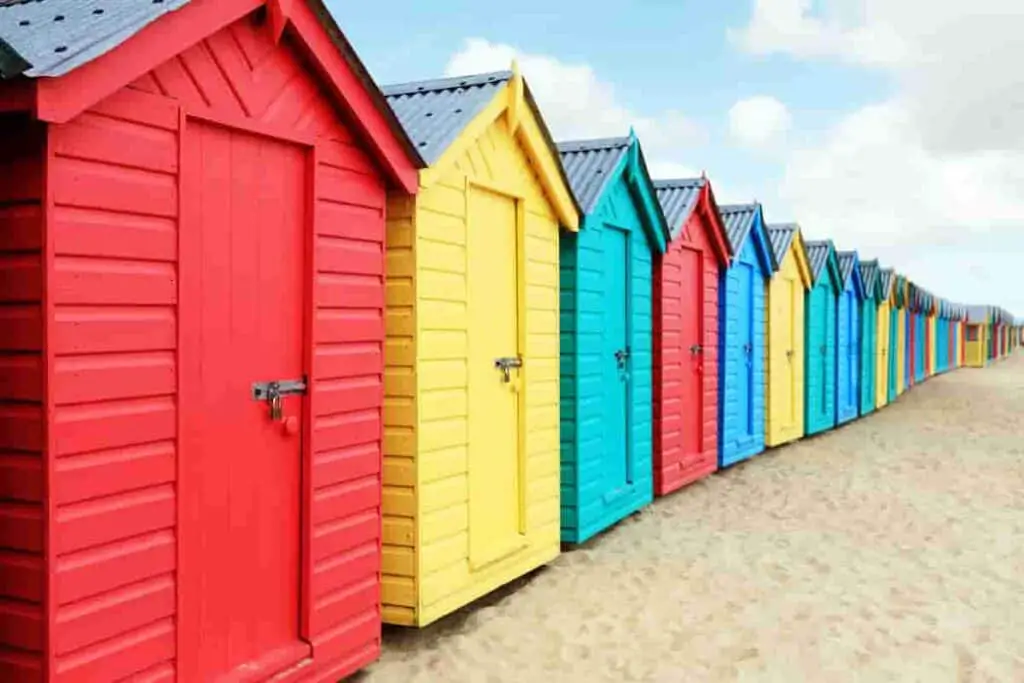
x=796 y=356
x=782 y=408
x=901 y=346
x=494 y=455
x=882 y=361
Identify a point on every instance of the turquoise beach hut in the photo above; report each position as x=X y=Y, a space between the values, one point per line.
x=742 y=336
x=920 y=306
x=820 y=328
x=848 y=374
x=869 y=276
x=606 y=318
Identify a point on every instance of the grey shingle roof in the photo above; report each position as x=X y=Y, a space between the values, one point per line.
x=589 y=164
x=886 y=279
x=847 y=261
x=435 y=112
x=817 y=256
x=869 y=276
x=781 y=237
x=738 y=220
x=678 y=198
x=51 y=37
x=977 y=314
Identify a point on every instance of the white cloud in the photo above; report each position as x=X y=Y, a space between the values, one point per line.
x=759 y=121
x=578 y=105
x=929 y=180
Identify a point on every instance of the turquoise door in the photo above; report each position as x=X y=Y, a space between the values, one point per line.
x=893 y=336
x=615 y=360
x=745 y=333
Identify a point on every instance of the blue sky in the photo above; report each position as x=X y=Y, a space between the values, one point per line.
x=657 y=54
x=866 y=121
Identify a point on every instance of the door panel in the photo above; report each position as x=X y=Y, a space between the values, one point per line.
x=615 y=372
x=494 y=450
x=794 y=292
x=745 y=336
x=241 y=318
x=691 y=344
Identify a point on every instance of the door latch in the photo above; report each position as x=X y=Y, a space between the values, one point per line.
x=506 y=364
x=621 y=356
x=271 y=392
x=695 y=349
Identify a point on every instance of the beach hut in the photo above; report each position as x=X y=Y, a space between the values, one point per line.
x=686 y=283
x=820 y=314
x=869 y=335
x=471 y=431
x=741 y=340
x=785 y=366
x=848 y=338
x=885 y=374
x=921 y=335
x=606 y=335
x=977 y=330
x=931 y=334
x=899 y=335
x=192 y=218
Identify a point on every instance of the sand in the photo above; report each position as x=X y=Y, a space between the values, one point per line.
x=891 y=549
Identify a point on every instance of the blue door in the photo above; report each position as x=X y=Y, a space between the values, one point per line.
x=894 y=350
x=853 y=365
x=615 y=360
x=745 y=335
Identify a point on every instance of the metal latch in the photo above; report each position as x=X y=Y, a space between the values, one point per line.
x=271 y=392
x=621 y=356
x=506 y=364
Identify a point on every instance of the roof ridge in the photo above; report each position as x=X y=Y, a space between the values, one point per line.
x=592 y=145
x=736 y=208
x=678 y=183
x=447 y=83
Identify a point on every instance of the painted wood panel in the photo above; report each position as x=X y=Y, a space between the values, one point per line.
x=848 y=337
x=820 y=348
x=686 y=385
x=429 y=454
x=23 y=471
x=785 y=353
x=883 y=354
x=868 y=353
x=606 y=430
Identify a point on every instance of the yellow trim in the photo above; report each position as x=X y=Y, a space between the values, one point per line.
x=529 y=133
x=803 y=265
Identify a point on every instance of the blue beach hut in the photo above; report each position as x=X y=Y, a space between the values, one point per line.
x=848 y=340
x=869 y=276
x=820 y=313
x=606 y=318
x=920 y=322
x=742 y=335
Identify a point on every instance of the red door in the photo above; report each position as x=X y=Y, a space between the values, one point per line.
x=692 y=350
x=241 y=321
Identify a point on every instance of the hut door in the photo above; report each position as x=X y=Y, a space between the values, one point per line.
x=691 y=346
x=615 y=360
x=242 y=269
x=795 y=293
x=745 y=335
x=495 y=457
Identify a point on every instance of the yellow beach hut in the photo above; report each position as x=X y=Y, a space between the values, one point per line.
x=976 y=336
x=883 y=347
x=785 y=348
x=471 y=410
x=900 y=300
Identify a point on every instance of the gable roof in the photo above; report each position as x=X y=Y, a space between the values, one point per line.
x=106 y=44
x=47 y=38
x=849 y=267
x=886 y=281
x=821 y=254
x=590 y=165
x=786 y=236
x=444 y=115
x=978 y=315
x=434 y=113
x=869 y=276
x=739 y=221
x=680 y=198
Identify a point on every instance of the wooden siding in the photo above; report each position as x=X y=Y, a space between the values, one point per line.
x=426 y=506
x=584 y=448
x=779 y=368
x=901 y=350
x=673 y=466
x=847 y=359
x=733 y=445
x=115 y=224
x=23 y=472
x=882 y=353
x=868 y=354
x=820 y=384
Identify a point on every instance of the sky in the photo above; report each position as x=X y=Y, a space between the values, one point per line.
x=893 y=127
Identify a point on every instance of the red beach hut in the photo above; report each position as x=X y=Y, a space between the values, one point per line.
x=191 y=340
x=686 y=335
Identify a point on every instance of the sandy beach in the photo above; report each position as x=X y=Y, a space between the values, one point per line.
x=891 y=549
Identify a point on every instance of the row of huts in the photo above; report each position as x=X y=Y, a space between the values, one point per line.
x=284 y=354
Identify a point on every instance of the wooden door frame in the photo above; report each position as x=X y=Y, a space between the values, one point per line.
x=185 y=246
x=630 y=387
x=702 y=335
